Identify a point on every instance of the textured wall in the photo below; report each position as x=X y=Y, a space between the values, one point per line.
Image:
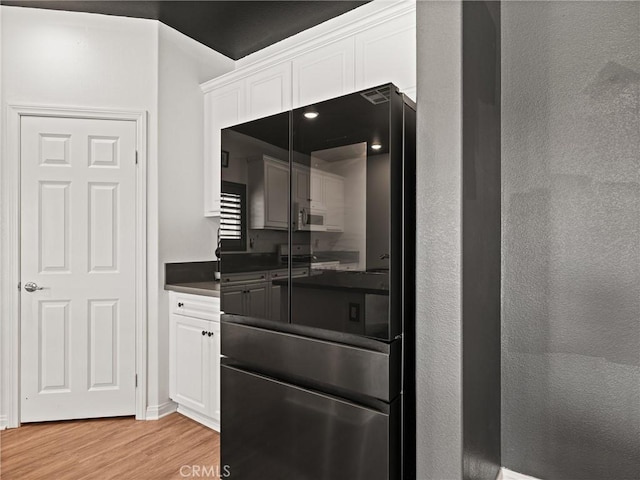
x=481 y=239
x=571 y=239
x=438 y=250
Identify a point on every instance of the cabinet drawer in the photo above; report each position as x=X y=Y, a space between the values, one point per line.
x=295 y=273
x=234 y=278
x=198 y=306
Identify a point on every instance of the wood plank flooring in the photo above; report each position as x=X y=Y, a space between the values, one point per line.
x=113 y=448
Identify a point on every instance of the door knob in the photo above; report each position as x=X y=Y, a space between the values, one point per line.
x=32 y=287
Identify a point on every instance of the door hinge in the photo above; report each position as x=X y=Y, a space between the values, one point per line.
x=136 y=380
x=136 y=157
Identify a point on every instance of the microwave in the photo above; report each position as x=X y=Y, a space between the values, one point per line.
x=311 y=218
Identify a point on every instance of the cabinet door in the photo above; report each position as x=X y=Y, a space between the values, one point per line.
x=316 y=189
x=387 y=53
x=257 y=300
x=274 y=304
x=334 y=201
x=222 y=107
x=232 y=300
x=276 y=192
x=190 y=379
x=301 y=190
x=324 y=73
x=269 y=91
x=214 y=345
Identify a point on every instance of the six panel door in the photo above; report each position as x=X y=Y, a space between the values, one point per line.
x=78 y=221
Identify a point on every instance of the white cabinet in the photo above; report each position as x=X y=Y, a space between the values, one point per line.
x=301 y=192
x=308 y=186
x=316 y=189
x=321 y=190
x=333 y=187
x=223 y=107
x=345 y=59
x=259 y=95
x=268 y=189
x=194 y=356
x=324 y=73
x=387 y=53
x=268 y=91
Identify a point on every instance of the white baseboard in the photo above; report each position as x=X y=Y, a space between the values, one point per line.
x=506 y=474
x=198 y=417
x=3 y=422
x=156 y=412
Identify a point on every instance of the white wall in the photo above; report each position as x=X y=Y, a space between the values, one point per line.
x=184 y=233
x=78 y=60
x=70 y=59
x=84 y=61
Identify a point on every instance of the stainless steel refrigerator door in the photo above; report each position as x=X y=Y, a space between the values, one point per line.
x=274 y=430
x=345 y=370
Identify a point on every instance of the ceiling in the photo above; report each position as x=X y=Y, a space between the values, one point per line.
x=235 y=29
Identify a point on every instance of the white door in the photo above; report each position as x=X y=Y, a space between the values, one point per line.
x=78 y=197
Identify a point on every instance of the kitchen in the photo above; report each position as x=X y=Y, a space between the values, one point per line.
x=567 y=77
x=338 y=194
x=178 y=233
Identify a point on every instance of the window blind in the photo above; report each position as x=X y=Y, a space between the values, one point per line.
x=233 y=217
x=230 y=216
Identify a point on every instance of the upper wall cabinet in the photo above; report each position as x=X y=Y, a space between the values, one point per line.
x=268 y=187
x=387 y=53
x=376 y=48
x=268 y=92
x=223 y=107
x=324 y=73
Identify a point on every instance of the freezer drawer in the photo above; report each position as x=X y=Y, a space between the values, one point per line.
x=275 y=430
x=345 y=370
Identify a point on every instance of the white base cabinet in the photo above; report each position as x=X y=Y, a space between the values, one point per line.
x=194 y=354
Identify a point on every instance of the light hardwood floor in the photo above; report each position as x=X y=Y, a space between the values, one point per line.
x=116 y=448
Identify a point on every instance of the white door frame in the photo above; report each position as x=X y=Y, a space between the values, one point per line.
x=10 y=252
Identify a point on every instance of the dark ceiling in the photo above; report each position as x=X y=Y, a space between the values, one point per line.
x=234 y=29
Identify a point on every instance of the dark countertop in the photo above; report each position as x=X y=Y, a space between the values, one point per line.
x=192 y=277
x=252 y=268
x=362 y=282
x=261 y=262
x=209 y=289
x=262 y=268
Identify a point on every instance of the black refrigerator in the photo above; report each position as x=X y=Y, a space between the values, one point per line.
x=318 y=291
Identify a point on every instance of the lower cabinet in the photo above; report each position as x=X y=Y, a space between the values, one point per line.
x=277 y=311
x=194 y=353
x=246 y=294
x=253 y=294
